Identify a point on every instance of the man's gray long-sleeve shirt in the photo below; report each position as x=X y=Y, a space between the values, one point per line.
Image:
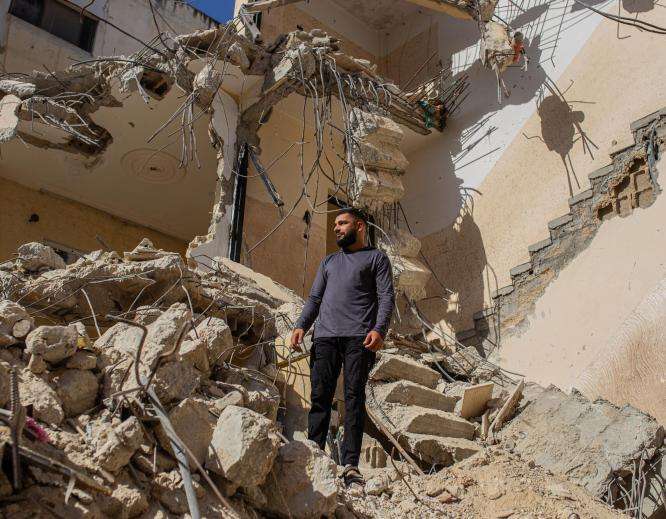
x=352 y=294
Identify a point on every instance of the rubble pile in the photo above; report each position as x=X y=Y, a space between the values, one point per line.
x=136 y=385
x=149 y=390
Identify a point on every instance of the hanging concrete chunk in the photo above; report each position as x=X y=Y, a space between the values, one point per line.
x=409 y=393
x=302 y=483
x=396 y=367
x=243 y=447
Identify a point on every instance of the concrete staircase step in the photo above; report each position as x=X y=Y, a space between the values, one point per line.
x=437 y=450
x=420 y=420
x=409 y=393
x=390 y=368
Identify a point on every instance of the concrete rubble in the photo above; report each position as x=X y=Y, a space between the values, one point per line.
x=205 y=352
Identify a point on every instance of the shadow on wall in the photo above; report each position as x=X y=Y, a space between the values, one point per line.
x=559 y=126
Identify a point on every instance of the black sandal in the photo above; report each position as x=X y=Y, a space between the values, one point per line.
x=351 y=475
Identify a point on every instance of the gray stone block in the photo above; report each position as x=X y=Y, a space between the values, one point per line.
x=504 y=291
x=559 y=222
x=536 y=247
x=644 y=121
x=520 y=269
x=601 y=172
x=581 y=197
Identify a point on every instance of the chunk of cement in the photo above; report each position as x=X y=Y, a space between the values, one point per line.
x=409 y=393
x=37 y=257
x=47 y=406
x=586 y=441
x=216 y=334
x=77 y=390
x=396 y=367
x=52 y=343
x=11 y=314
x=302 y=483
x=419 y=420
x=194 y=424
x=243 y=447
x=438 y=450
x=116 y=445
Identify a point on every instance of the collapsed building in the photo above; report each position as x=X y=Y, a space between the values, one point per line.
x=145 y=384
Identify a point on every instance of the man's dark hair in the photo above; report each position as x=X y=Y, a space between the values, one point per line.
x=356 y=213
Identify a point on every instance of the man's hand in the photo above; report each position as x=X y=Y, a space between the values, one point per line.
x=297 y=339
x=373 y=341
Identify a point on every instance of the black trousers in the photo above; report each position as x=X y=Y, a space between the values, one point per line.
x=328 y=356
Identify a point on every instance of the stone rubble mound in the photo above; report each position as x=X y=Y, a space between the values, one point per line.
x=135 y=385
x=116 y=356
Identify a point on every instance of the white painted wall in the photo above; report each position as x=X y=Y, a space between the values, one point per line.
x=443 y=163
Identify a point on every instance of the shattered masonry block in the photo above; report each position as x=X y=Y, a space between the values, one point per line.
x=438 y=450
x=194 y=424
x=12 y=315
x=398 y=242
x=376 y=188
x=217 y=335
x=381 y=156
x=420 y=420
x=77 y=390
x=396 y=367
x=243 y=447
x=36 y=257
x=116 y=445
x=372 y=127
x=302 y=482
x=10 y=105
x=53 y=343
x=47 y=406
x=409 y=393
x=411 y=276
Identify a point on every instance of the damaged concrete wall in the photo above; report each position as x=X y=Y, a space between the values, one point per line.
x=31 y=215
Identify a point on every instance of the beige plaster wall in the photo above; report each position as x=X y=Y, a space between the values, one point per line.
x=283 y=255
x=486 y=232
x=66 y=222
x=572 y=334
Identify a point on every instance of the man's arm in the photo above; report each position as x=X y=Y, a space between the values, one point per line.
x=311 y=308
x=385 y=295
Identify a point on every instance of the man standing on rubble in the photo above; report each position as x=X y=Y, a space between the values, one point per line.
x=352 y=300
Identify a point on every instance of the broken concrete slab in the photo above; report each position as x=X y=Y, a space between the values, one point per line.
x=243 y=447
x=474 y=400
x=587 y=441
x=409 y=393
x=194 y=424
x=390 y=368
x=14 y=320
x=53 y=343
x=302 y=483
x=216 y=334
x=374 y=189
x=438 y=450
x=37 y=257
x=420 y=420
x=10 y=106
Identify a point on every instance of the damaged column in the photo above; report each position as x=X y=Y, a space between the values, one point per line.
x=377 y=184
